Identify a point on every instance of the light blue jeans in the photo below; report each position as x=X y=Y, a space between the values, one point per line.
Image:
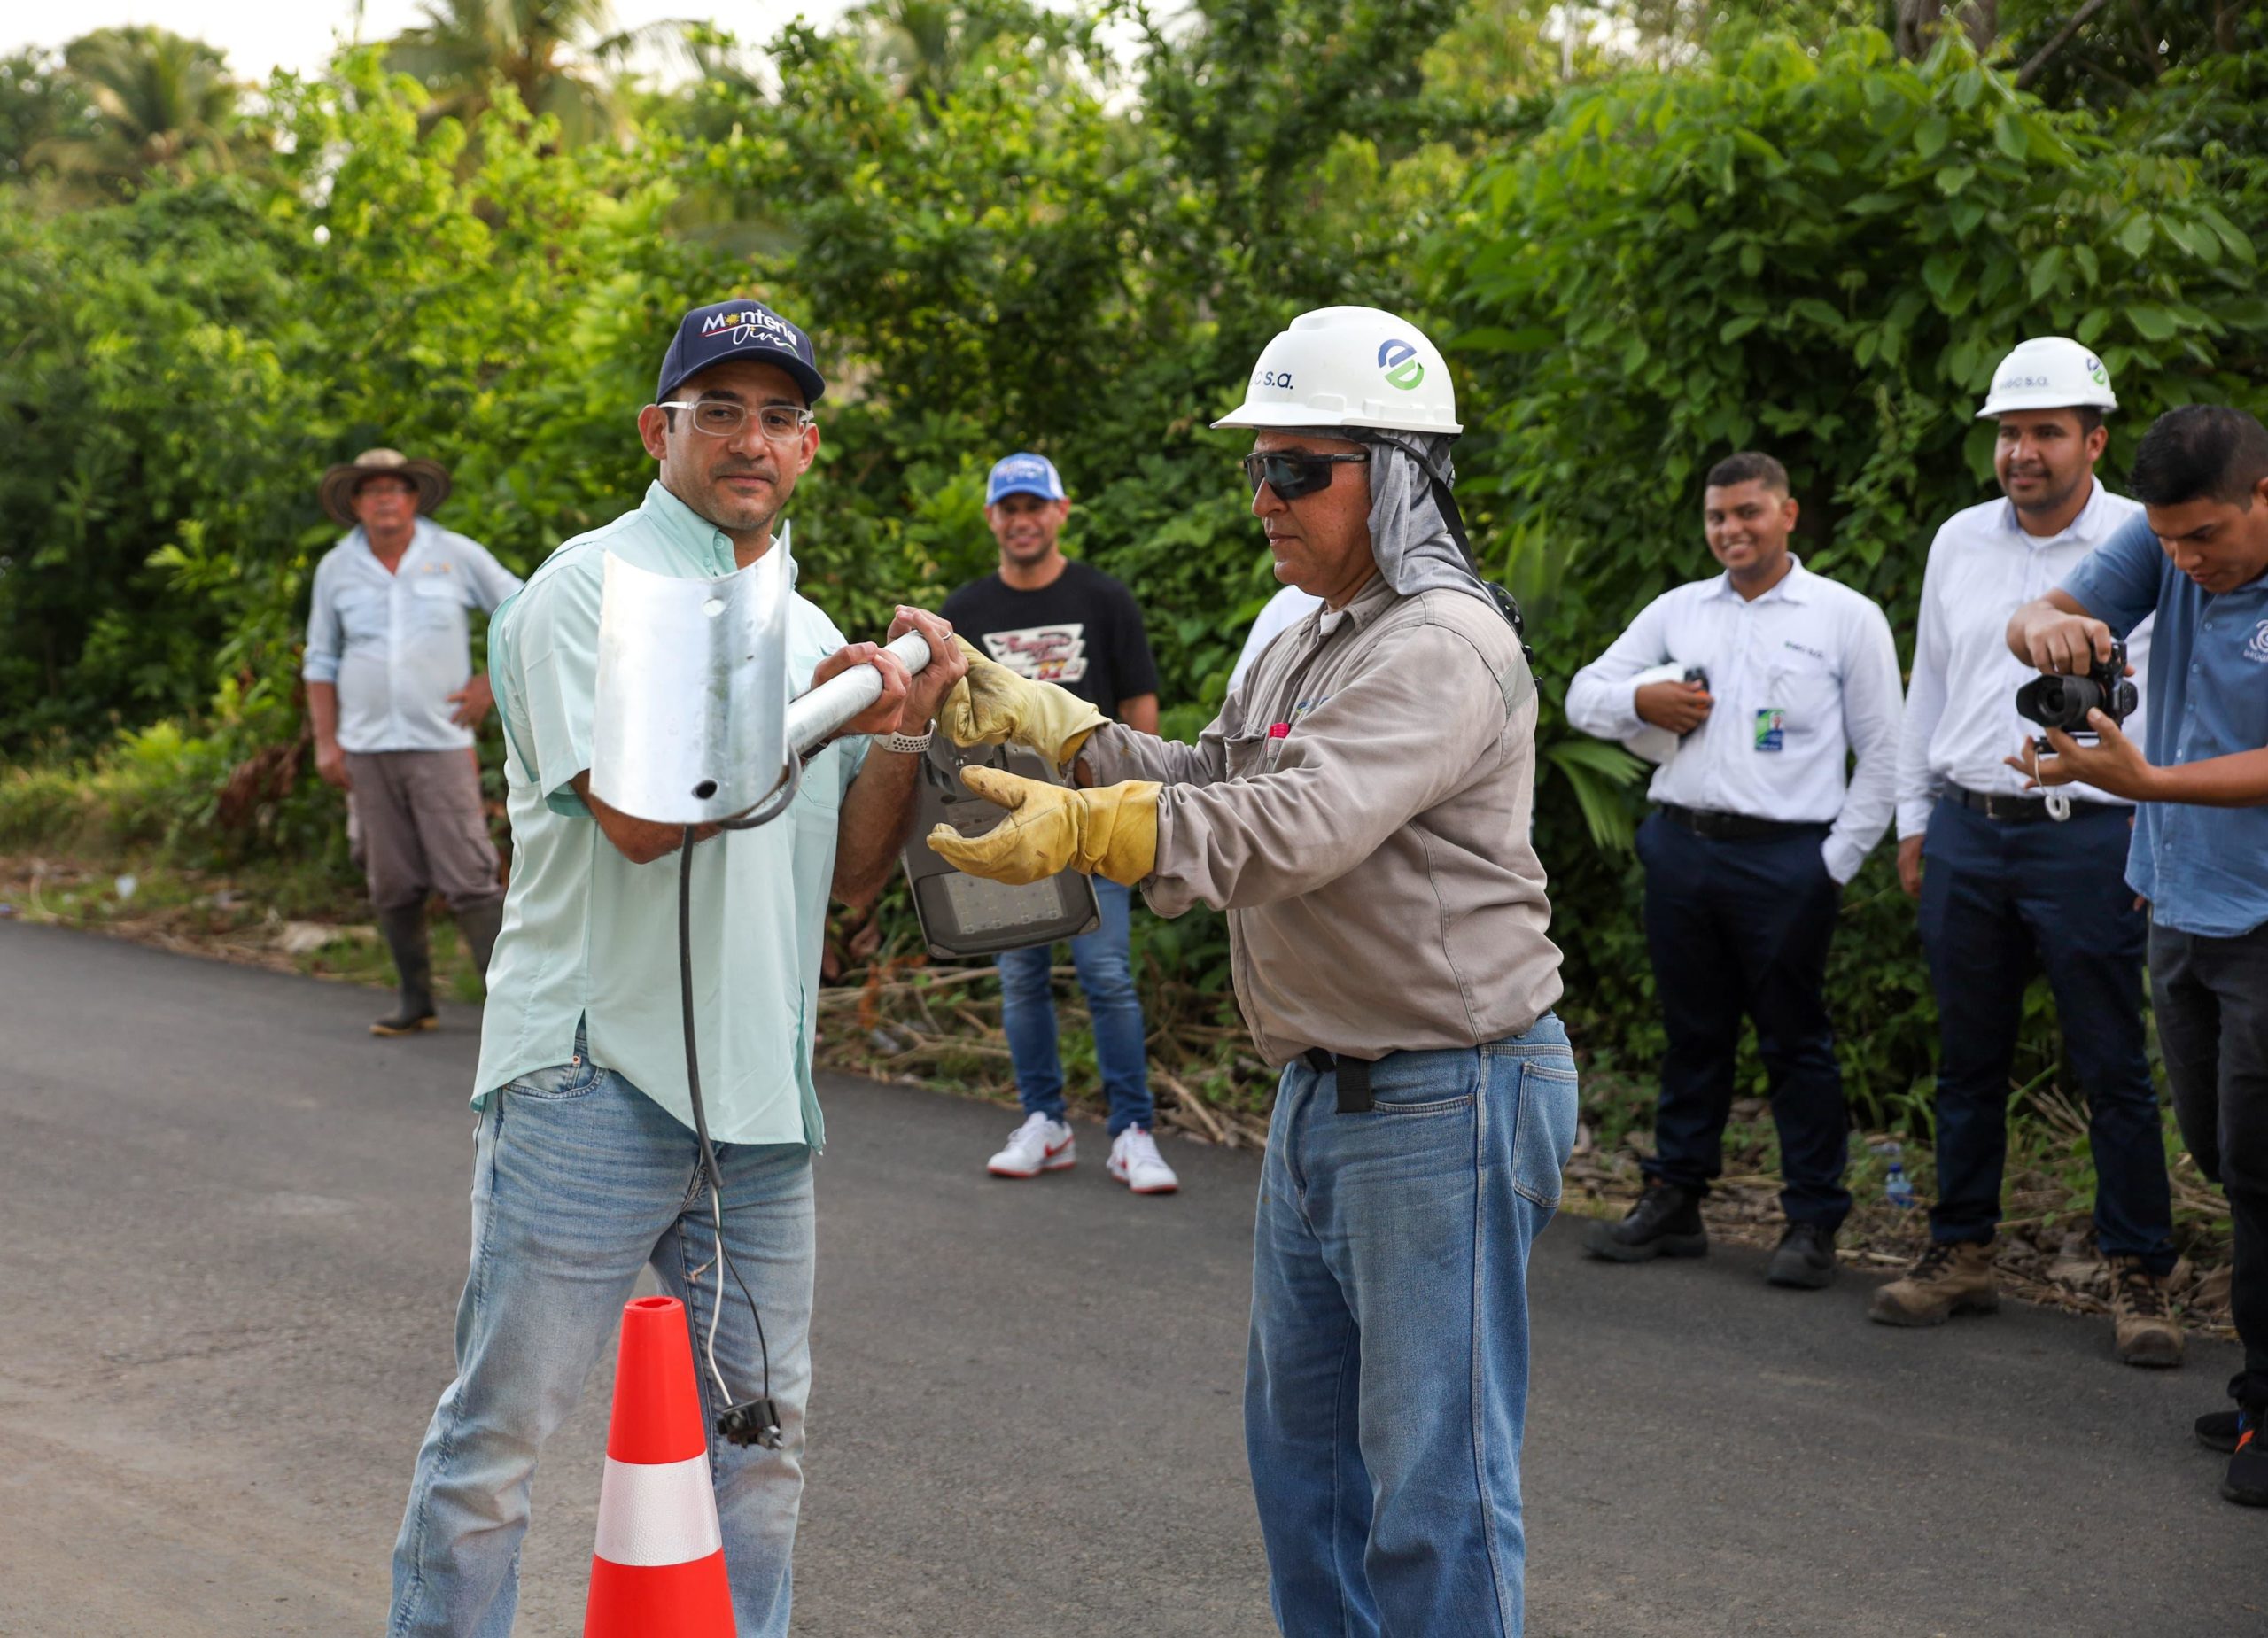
x=1105 y=973
x=1386 y=1388
x=578 y=1181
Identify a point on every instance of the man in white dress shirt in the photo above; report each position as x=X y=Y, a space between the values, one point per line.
x=1753 y=834
x=2006 y=892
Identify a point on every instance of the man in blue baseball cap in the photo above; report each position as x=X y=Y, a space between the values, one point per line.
x=1052 y=620
x=585 y=1161
x=1024 y=474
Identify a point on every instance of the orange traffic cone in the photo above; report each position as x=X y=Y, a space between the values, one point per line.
x=659 y=1568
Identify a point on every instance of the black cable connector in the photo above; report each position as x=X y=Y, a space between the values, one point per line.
x=752 y=1421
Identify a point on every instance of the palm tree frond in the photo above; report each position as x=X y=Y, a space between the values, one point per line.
x=1598 y=773
x=547 y=50
x=671 y=37
x=165 y=102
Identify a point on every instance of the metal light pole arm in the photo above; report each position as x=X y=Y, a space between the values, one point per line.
x=818 y=714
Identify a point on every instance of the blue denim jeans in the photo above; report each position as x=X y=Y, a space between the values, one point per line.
x=1107 y=975
x=2001 y=902
x=1386 y=1387
x=578 y=1181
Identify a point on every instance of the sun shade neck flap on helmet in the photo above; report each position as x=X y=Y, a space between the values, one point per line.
x=1415 y=545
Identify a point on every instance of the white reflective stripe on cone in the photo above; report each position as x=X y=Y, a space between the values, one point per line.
x=657 y=1513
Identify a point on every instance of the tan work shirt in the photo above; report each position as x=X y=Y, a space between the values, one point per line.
x=1360 y=808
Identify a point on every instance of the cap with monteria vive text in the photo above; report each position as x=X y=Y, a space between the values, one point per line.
x=741 y=328
x=1023 y=474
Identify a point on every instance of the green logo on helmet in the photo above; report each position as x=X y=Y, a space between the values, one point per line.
x=2096 y=372
x=1399 y=360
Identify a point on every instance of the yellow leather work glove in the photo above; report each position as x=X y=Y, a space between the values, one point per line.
x=1109 y=831
x=993 y=704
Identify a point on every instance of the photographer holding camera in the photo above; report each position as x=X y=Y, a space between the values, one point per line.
x=2007 y=893
x=2199 y=559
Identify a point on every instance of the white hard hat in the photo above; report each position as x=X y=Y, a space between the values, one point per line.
x=1654 y=742
x=1349 y=367
x=2049 y=372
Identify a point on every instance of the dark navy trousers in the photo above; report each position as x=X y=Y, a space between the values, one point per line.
x=1741 y=929
x=2001 y=902
x=2212 y=1011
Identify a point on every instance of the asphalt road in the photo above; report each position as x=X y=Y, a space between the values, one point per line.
x=235 y=1229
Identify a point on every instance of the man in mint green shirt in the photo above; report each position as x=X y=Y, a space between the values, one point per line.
x=586 y=1168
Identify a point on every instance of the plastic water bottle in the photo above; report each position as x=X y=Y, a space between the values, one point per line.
x=1897 y=1188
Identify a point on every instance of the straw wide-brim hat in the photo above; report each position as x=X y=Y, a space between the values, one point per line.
x=338 y=484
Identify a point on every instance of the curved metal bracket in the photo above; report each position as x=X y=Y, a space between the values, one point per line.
x=690 y=714
x=776 y=803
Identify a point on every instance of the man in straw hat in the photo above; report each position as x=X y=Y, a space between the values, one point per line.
x=395 y=700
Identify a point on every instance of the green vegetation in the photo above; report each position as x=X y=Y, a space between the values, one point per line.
x=1822 y=253
x=1644 y=243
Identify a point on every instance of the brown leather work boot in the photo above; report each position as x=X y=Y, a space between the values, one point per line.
x=1945 y=1280
x=2142 y=1316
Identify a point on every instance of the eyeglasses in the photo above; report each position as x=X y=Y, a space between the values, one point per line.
x=1291 y=473
x=720 y=417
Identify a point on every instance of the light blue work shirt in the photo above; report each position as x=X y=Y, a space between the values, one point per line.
x=590 y=937
x=2204 y=870
x=395 y=644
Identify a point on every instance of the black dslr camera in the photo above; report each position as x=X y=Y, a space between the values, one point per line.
x=2054 y=701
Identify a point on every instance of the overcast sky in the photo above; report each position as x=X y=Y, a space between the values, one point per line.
x=261 y=35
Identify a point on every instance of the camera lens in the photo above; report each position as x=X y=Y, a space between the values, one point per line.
x=2060 y=702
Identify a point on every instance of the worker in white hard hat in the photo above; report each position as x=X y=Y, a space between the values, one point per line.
x=2005 y=889
x=1360 y=808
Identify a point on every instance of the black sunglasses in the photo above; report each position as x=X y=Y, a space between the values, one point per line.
x=1291 y=473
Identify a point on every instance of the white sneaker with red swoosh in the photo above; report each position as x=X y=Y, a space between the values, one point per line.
x=1136 y=1162
x=1040 y=1145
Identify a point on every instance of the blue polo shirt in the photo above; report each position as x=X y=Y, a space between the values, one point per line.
x=2204 y=870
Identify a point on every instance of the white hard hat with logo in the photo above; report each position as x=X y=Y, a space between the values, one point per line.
x=2049 y=372
x=1349 y=367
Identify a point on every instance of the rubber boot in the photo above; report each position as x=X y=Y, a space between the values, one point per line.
x=405 y=935
x=480 y=923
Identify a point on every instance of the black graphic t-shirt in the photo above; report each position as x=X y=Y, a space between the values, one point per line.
x=1083 y=631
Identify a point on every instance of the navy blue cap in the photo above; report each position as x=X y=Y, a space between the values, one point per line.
x=741 y=328
x=1023 y=474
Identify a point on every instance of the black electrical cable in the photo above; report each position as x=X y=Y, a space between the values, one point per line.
x=768 y=1420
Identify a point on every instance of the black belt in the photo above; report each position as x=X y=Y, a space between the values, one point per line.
x=1734 y=826
x=1354 y=1077
x=2019 y=810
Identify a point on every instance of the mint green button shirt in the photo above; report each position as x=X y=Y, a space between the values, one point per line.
x=590 y=937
